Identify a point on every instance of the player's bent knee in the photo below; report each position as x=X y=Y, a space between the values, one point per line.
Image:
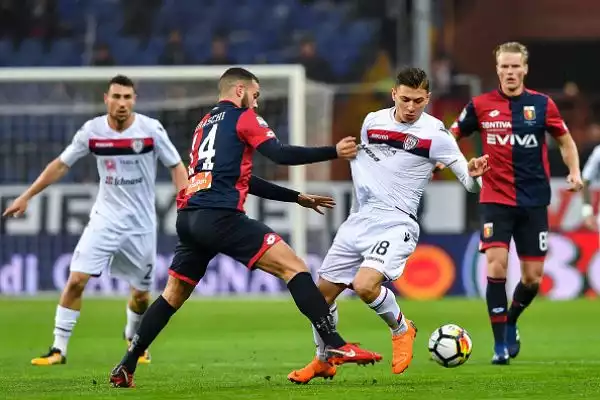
x=367 y=284
x=281 y=261
x=367 y=291
x=497 y=269
x=330 y=290
x=497 y=262
x=139 y=297
x=177 y=292
x=76 y=283
x=532 y=272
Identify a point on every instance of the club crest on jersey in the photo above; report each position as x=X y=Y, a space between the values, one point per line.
x=262 y=122
x=410 y=142
x=529 y=113
x=488 y=230
x=137 y=145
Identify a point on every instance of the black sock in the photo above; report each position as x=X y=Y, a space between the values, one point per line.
x=497 y=304
x=311 y=303
x=523 y=296
x=155 y=319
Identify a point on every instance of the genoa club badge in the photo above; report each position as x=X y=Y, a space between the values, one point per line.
x=529 y=113
x=488 y=230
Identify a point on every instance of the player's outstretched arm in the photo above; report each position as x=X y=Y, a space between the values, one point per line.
x=298 y=155
x=254 y=130
x=267 y=190
x=53 y=172
x=445 y=150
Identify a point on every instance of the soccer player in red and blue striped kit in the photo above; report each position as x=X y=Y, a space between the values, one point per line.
x=211 y=219
x=513 y=121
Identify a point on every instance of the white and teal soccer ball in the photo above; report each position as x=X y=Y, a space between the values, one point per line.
x=450 y=345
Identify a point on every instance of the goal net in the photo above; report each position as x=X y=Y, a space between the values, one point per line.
x=42 y=108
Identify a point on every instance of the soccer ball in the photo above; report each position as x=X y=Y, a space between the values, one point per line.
x=450 y=345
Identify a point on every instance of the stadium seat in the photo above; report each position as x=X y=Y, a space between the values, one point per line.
x=126 y=50
x=5 y=52
x=261 y=31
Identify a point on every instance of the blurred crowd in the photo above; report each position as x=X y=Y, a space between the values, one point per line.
x=47 y=21
x=41 y=19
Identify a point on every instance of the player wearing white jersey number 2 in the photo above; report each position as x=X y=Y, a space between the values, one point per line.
x=399 y=150
x=121 y=233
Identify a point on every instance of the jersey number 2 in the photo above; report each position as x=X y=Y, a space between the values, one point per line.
x=206 y=151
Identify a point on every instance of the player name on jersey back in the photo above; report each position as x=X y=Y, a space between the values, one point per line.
x=221 y=158
x=126 y=163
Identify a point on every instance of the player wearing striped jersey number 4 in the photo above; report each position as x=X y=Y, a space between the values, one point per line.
x=211 y=218
x=121 y=233
x=513 y=122
x=400 y=147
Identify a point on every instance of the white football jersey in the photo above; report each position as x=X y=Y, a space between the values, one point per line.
x=127 y=168
x=591 y=170
x=395 y=161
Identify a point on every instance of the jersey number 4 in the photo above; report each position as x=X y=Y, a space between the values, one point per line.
x=206 y=151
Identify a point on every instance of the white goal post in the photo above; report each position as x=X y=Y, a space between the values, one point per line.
x=295 y=91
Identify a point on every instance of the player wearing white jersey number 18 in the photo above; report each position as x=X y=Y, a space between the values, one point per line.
x=121 y=233
x=399 y=150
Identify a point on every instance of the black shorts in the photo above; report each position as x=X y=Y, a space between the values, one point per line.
x=204 y=233
x=528 y=226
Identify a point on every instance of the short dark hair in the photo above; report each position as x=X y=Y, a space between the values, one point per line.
x=234 y=74
x=121 y=80
x=413 y=77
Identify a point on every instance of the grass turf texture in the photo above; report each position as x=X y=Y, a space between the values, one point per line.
x=244 y=349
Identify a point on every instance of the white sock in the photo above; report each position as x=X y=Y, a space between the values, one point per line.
x=64 y=322
x=321 y=355
x=387 y=308
x=133 y=323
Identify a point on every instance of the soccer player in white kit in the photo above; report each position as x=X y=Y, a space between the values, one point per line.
x=400 y=147
x=590 y=173
x=121 y=233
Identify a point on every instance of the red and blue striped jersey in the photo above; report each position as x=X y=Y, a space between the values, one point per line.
x=221 y=158
x=513 y=134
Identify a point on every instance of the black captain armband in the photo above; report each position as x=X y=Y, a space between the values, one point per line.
x=295 y=155
x=267 y=190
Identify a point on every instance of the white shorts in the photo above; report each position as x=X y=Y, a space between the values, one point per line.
x=379 y=240
x=131 y=257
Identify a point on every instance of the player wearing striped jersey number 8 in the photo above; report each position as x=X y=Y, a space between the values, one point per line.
x=513 y=122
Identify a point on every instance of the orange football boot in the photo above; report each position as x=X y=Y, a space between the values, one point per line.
x=53 y=357
x=402 y=348
x=315 y=369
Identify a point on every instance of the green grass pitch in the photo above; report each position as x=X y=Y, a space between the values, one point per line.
x=244 y=349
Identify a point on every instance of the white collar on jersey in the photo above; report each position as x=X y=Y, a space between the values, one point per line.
x=133 y=124
x=393 y=117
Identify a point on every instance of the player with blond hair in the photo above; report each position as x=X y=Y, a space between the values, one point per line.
x=512 y=122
